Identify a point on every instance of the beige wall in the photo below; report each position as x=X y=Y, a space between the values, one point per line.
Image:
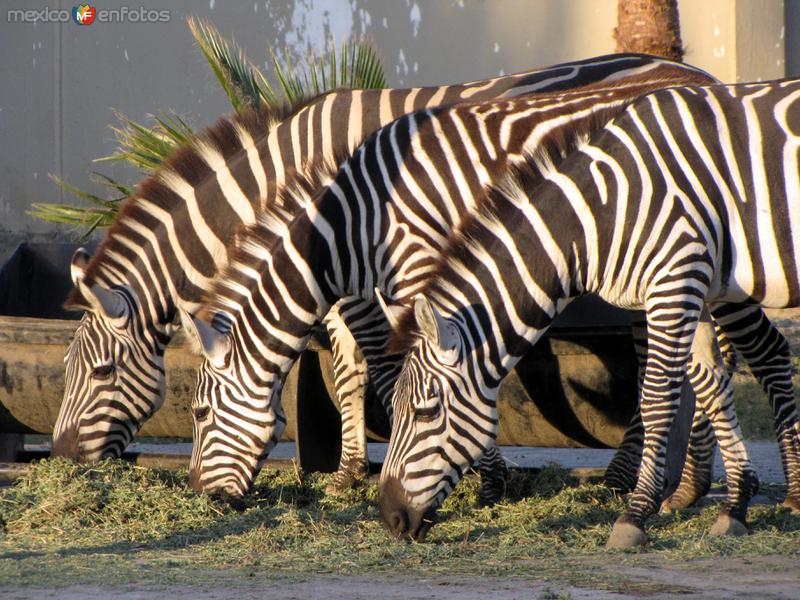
x=735 y=40
x=67 y=79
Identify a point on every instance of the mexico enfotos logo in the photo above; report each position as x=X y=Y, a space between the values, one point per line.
x=85 y=14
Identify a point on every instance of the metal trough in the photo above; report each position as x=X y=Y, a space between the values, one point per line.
x=576 y=389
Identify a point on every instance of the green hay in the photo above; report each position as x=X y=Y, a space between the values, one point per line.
x=116 y=522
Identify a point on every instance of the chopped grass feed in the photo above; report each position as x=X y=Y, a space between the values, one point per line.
x=69 y=523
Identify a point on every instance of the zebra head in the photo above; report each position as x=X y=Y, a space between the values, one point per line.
x=237 y=415
x=114 y=372
x=437 y=431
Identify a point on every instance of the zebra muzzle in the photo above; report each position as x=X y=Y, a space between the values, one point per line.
x=402 y=520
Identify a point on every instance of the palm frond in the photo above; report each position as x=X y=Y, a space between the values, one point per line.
x=357 y=65
x=240 y=79
x=99 y=213
x=146 y=147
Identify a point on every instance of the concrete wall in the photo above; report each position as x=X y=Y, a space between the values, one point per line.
x=63 y=82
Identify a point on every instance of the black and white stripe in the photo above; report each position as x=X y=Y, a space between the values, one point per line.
x=691 y=195
x=173 y=237
x=382 y=223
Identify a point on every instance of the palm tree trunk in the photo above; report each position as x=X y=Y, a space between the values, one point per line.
x=650 y=27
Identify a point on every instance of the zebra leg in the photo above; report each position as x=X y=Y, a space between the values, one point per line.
x=768 y=355
x=669 y=327
x=623 y=469
x=494 y=473
x=696 y=474
x=712 y=384
x=350 y=381
x=698 y=466
x=621 y=472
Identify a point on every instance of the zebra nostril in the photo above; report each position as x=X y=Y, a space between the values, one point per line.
x=235 y=501
x=398 y=522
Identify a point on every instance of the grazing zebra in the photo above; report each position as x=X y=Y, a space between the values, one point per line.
x=380 y=224
x=171 y=239
x=690 y=196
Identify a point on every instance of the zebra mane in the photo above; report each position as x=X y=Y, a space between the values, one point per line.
x=253 y=243
x=498 y=205
x=185 y=162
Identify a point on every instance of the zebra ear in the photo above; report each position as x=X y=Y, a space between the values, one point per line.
x=104 y=301
x=392 y=311
x=436 y=328
x=215 y=344
x=77 y=268
x=94 y=297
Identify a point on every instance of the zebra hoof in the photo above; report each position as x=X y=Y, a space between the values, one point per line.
x=676 y=503
x=626 y=535
x=344 y=480
x=728 y=526
x=792 y=503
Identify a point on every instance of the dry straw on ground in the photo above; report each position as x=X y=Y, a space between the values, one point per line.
x=66 y=523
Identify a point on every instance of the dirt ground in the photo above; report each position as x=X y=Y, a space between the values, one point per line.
x=762 y=578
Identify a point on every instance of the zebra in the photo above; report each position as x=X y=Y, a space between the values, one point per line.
x=691 y=196
x=378 y=226
x=170 y=240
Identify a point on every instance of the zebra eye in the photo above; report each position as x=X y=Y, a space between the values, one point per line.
x=102 y=372
x=427 y=413
x=201 y=413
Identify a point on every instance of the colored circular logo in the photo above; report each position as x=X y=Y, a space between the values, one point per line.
x=83 y=14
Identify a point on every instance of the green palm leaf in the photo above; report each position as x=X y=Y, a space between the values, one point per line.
x=240 y=79
x=98 y=213
x=356 y=65
x=147 y=147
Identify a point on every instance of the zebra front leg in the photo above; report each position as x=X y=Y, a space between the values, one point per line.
x=623 y=469
x=621 y=472
x=350 y=380
x=494 y=474
x=670 y=329
x=768 y=355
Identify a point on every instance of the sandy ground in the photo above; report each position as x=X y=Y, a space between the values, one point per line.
x=762 y=578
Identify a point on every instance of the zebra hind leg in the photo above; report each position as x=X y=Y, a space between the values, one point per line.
x=697 y=470
x=350 y=381
x=767 y=353
x=494 y=475
x=712 y=385
x=621 y=472
x=623 y=469
x=669 y=324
